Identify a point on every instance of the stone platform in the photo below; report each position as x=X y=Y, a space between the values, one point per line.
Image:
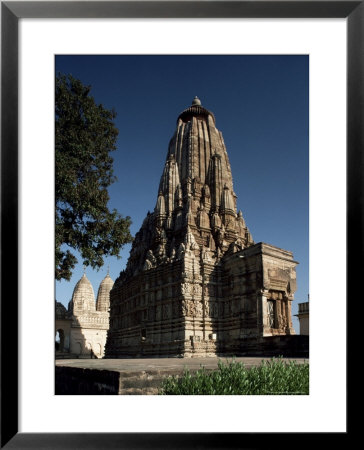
x=131 y=376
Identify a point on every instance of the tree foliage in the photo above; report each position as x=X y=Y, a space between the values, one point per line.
x=85 y=135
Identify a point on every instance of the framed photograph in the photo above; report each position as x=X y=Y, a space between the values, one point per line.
x=290 y=28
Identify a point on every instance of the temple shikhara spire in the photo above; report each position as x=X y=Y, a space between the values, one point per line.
x=196 y=283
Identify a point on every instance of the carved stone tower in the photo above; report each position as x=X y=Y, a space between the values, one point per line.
x=195 y=283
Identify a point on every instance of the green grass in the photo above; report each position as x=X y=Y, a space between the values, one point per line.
x=271 y=377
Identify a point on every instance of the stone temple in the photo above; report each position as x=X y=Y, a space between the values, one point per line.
x=196 y=283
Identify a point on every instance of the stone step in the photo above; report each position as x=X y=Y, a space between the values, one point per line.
x=139 y=391
x=140 y=382
x=66 y=355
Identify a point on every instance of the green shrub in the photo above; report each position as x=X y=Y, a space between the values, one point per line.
x=271 y=377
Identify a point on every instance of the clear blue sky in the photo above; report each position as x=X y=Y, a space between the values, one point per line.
x=261 y=108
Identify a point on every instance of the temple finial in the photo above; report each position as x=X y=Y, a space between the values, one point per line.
x=196 y=101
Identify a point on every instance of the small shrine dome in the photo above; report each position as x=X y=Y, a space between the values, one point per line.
x=61 y=311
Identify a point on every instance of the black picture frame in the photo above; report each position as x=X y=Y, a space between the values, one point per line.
x=11 y=12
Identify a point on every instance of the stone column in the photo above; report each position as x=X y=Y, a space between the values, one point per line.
x=289 y=328
x=262 y=313
x=67 y=342
x=284 y=313
x=278 y=314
